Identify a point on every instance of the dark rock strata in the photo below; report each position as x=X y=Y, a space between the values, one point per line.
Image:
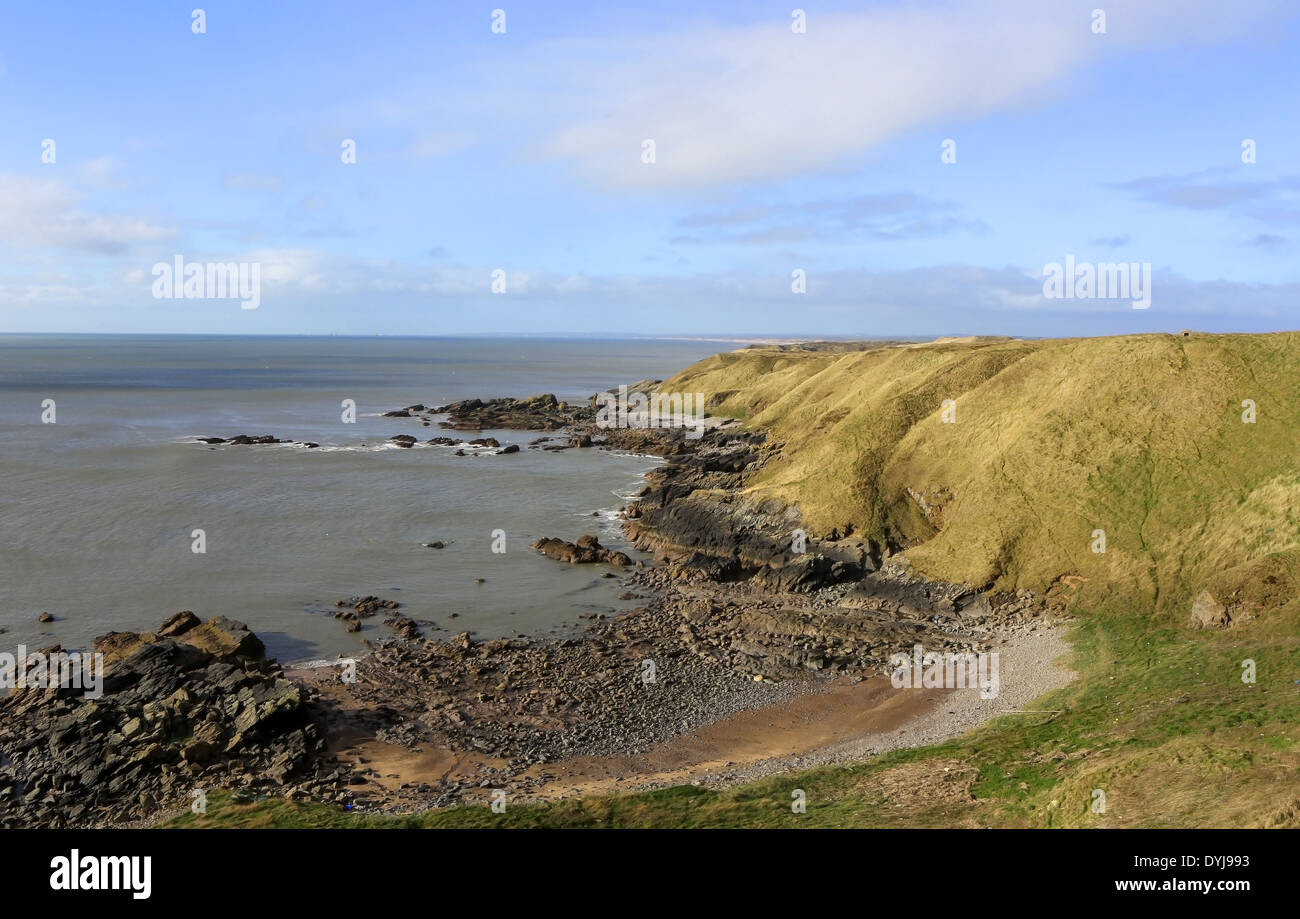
x=192 y=706
x=693 y=515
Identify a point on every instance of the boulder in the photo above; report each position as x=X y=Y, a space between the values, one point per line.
x=225 y=639
x=178 y=624
x=587 y=550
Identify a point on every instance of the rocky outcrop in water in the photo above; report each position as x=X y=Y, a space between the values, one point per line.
x=537 y=413
x=252 y=440
x=547 y=413
x=352 y=610
x=587 y=550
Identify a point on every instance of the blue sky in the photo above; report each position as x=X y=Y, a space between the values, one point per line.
x=774 y=152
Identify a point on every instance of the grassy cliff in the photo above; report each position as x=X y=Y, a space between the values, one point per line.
x=1141 y=437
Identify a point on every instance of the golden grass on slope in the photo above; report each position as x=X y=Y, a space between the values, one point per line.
x=1141 y=437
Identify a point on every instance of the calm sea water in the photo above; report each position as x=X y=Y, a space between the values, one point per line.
x=97 y=509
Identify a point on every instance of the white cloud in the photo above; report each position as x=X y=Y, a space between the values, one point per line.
x=101 y=173
x=45 y=213
x=756 y=102
x=307 y=285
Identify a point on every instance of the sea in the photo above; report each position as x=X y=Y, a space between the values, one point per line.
x=103 y=486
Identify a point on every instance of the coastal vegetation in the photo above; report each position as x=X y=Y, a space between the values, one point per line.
x=1149 y=482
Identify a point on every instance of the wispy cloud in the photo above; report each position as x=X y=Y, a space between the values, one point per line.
x=298 y=282
x=47 y=214
x=102 y=174
x=882 y=217
x=759 y=102
x=245 y=181
x=1268 y=199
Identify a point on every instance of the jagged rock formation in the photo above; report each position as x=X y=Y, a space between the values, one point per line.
x=695 y=514
x=194 y=705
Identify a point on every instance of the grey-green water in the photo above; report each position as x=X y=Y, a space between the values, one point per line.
x=97 y=509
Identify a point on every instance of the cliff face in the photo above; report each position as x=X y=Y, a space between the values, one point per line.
x=1140 y=467
x=695 y=511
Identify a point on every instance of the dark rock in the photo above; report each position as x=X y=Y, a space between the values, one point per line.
x=543 y=412
x=365 y=607
x=193 y=697
x=248 y=440
x=586 y=550
x=405 y=627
